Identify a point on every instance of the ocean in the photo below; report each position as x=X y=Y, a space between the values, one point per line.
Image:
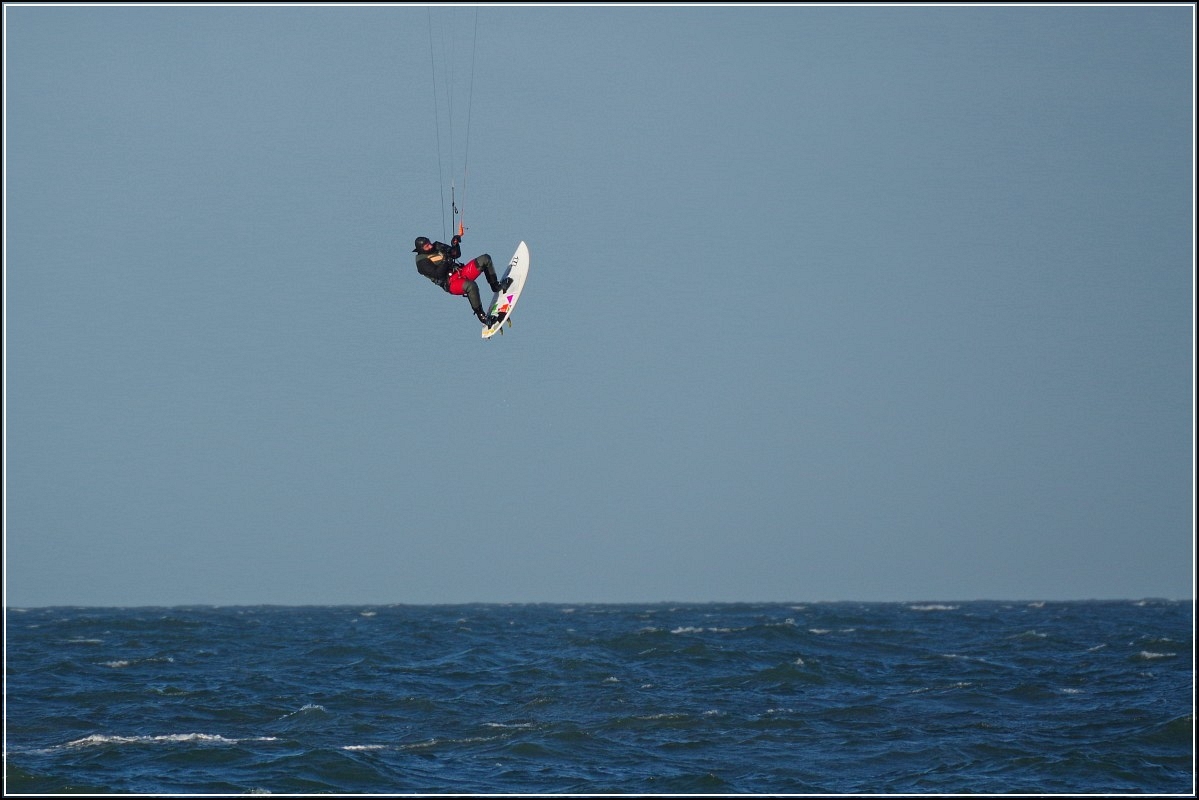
x=654 y=699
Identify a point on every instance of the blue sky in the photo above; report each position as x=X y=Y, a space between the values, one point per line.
x=825 y=303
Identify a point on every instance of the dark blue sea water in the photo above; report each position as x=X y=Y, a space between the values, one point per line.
x=837 y=698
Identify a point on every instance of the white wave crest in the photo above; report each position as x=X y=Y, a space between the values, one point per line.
x=693 y=629
x=170 y=738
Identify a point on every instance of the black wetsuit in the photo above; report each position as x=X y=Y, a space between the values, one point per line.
x=437 y=264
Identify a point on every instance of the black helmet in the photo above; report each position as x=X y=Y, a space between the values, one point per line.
x=421 y=241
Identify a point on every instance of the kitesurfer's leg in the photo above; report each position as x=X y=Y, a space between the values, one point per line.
x=471 y=290
x=484 y=264
x=462 y=282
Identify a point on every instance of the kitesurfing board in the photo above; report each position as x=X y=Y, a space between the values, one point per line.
x=503 y=302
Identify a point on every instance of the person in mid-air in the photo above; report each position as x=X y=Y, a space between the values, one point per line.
x=438 y=262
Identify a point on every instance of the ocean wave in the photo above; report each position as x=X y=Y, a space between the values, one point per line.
x=97 y=739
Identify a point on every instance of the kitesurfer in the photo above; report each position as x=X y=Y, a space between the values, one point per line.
x=438 y=262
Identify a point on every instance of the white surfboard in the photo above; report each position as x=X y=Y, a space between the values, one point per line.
x=503 y=302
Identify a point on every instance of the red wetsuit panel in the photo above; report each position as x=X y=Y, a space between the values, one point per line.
x=469 y=272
